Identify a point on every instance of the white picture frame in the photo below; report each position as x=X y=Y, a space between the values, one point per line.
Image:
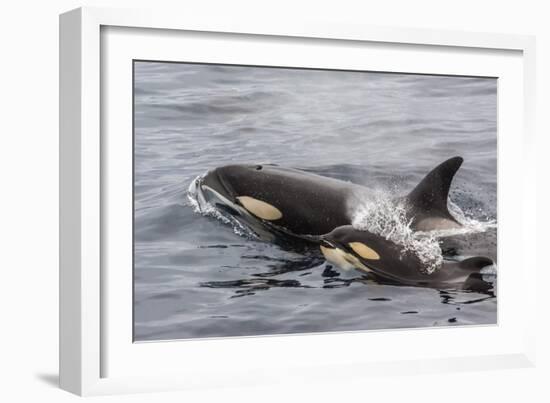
x=96 y=356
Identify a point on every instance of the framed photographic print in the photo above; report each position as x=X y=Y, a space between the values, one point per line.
x=236 y=196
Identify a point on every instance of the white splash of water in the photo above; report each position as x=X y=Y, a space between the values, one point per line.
x=384 y=216
x=201 y=206
x=469 y=225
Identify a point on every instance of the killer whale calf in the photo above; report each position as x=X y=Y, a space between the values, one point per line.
x=272 y=201
x=349 y=248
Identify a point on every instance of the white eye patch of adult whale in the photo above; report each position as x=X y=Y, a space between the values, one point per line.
x=260 y=209
x=312 y=205
x=347 y=247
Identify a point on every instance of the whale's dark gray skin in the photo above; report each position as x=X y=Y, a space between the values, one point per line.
x=271 y=199
x=389 y=262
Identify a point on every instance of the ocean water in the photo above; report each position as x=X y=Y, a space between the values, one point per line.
x=197 y=276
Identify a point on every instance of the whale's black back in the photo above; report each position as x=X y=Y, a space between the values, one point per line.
x=310 y=204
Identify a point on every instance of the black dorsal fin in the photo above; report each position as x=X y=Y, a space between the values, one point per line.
x=431 y=193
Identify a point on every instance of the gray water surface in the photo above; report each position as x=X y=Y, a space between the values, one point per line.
x=195 y=276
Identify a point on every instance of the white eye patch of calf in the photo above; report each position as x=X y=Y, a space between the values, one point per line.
x=343 y=260
x=364 y=251
x=260 y=209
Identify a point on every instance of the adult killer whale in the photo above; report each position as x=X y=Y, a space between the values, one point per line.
x=270 y=198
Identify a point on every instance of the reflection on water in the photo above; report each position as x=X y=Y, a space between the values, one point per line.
x=332 y=279
x=196 y=276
